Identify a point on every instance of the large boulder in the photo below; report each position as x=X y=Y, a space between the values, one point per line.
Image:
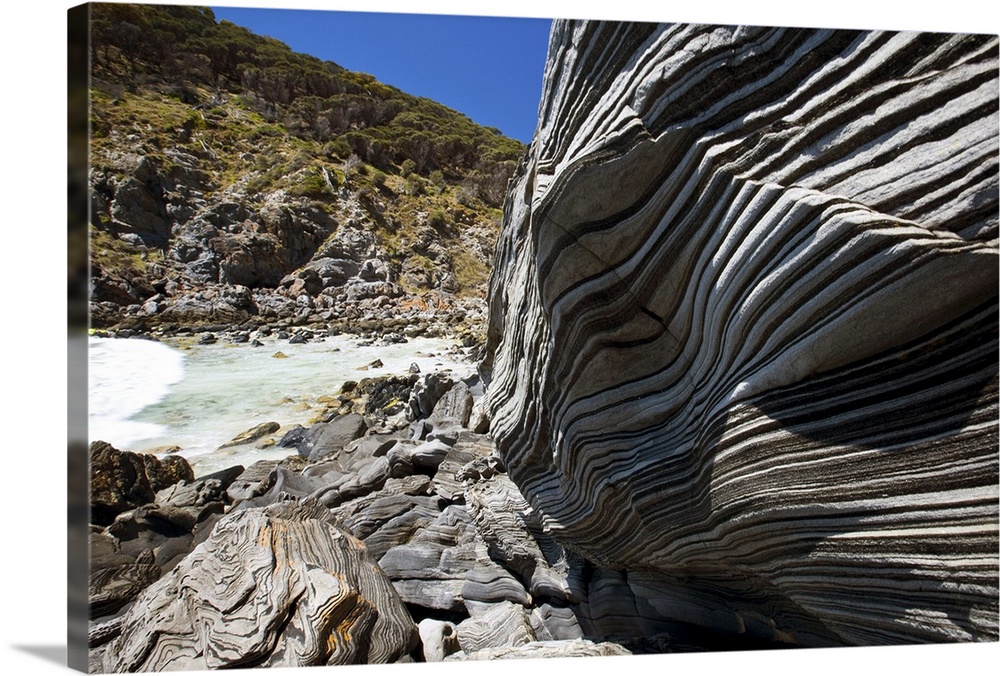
x=743 y=324
x=279 y=586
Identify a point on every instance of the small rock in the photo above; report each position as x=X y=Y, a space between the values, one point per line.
x=439 y=639
x=252 y=434
x=293 y=437
x=280 y=355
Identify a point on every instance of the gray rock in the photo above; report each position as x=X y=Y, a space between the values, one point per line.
x=546 y=649
x=405 y=458
x=467 y=448
x=552 y=623
x=253 y=481
x=281 y=586
x=744 y=325
x=324 y=439
x=426 y=393
x=502 y=625
x=455 y=404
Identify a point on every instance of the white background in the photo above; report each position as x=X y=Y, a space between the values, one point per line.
x=32 y=580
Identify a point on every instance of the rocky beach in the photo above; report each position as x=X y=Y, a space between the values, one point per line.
x=397 y=487
x=723 y=375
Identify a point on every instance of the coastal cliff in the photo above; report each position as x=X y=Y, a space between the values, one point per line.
x=742 y=346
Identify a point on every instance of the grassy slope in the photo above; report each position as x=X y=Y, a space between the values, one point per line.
x=422 y=167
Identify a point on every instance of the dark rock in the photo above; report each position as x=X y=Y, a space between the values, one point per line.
x=122 y=480
x=164 y=520
x=225 y=477
x=166 y=471
x=112 y=588
x=426 y=393
x=324 y=439
x=293 y=437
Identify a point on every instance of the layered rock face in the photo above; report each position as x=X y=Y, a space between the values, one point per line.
x=276 y=586
x=742 y=351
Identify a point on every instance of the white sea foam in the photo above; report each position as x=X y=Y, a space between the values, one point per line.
x=125 y=377
x=146 y=394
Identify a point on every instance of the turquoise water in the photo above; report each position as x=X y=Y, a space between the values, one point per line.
x=144 y=394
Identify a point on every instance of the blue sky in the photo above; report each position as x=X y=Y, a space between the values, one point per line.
x=489 y=68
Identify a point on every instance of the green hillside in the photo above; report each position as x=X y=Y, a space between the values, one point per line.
x=222 y=158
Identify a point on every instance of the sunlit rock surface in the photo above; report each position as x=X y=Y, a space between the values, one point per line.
x=274 y=586
x=743 y=328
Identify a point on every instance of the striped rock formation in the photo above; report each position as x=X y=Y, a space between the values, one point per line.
x=274 y=586
x=743 y=326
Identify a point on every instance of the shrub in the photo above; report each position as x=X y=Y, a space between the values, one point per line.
x=414 y=185
x=337 y=148
x=438 y=219
x=313 y=185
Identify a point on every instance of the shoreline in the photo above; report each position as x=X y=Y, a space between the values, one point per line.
x=320 y=368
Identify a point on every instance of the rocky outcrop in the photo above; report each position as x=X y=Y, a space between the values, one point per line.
x=742 y=347
x=437 y=521
x=122 y=480
x=173 y=248
x=278 y=586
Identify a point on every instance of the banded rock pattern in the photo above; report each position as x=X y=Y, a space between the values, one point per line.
x=276 y=586
x=743 y=324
